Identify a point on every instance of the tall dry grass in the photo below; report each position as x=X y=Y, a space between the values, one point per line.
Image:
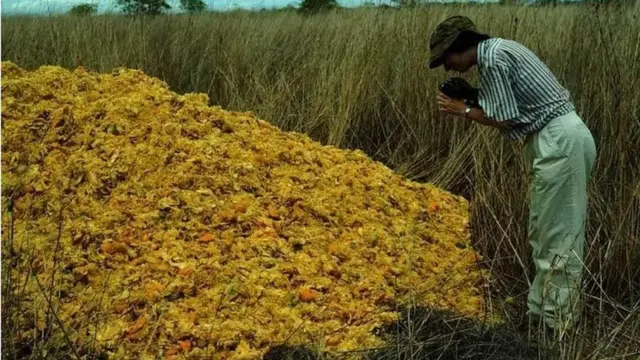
x=358 y=79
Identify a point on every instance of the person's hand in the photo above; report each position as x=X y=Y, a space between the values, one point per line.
x=450 y=105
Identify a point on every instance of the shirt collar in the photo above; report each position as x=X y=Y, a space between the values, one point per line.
x=483 y=50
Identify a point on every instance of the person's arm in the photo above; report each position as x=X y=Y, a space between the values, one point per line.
x=477 y=115
x=497 y=104
x=457 y=107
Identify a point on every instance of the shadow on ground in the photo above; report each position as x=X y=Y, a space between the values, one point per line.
x=423 y=333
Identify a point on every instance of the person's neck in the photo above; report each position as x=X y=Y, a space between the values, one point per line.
x=473 y=54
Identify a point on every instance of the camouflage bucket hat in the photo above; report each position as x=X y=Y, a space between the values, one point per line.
x=445 y=34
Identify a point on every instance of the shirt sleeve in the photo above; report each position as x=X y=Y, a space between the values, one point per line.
x=496 y=94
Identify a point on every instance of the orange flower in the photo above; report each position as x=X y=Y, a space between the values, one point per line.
x=185 y=345
x=308 y=295
x=208 y=237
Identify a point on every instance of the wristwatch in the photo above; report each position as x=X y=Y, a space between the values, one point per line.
x=467 y=110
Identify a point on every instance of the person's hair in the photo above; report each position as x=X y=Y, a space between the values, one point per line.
x=465 y=40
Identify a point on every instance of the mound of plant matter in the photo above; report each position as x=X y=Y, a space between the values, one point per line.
x=146 y=223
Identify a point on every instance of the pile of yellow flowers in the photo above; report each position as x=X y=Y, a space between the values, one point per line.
x=154 y=225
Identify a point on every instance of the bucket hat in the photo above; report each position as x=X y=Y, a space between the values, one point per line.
x=445 y=34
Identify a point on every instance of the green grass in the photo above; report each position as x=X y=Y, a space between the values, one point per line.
x=358 y=79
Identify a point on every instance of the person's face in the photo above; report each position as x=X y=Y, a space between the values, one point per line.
x=457 y=62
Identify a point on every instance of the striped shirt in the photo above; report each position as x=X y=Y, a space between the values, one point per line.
x=517 y=87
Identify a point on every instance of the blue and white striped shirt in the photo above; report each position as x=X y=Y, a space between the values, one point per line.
x=517 y=87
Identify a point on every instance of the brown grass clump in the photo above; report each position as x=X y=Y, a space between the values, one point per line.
x=145 y=223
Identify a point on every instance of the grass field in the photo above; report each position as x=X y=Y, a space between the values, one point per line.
x=358 y=79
